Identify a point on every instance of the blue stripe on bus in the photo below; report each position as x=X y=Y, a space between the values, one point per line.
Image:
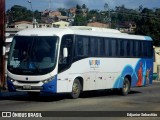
x=133 y=72
x=10 y=86
x=148 y=38
x=50 y=86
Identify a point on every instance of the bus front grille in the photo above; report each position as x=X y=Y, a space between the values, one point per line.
x=28 y=81
x=31 y=88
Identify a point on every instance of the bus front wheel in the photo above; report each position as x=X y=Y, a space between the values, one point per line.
x=76 y=89
x=126 y=87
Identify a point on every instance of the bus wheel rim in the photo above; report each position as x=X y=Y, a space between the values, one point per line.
x=75 y=89
x=125 y=87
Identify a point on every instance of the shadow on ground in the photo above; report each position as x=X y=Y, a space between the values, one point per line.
x=46 y=97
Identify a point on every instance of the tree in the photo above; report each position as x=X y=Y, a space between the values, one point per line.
x=149 y=25
x=81 y=15
x=147 y=20
x=80 y=20
x=20 y=13
x=78 y=9
x=37 y=16
x=140 y=8
x=84 y=6
x=63 y=11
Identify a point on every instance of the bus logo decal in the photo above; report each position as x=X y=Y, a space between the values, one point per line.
x=94 y=63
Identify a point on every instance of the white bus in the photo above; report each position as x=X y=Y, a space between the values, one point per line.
x=73 y=60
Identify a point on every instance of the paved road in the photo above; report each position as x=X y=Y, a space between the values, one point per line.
x=139 y=99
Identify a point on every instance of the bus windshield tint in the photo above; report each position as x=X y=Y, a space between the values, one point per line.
x=33 y=55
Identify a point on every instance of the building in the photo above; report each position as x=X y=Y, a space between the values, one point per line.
x=98 y=24
x=62 y=18
x=156 y=70
x=45 y=13
x=44 y=25
x=54 y=13
x=72 y=12
x=127 y=27
x=23 y=25
x=61 y=24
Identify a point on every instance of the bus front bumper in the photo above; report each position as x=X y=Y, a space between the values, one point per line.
x=50 y=87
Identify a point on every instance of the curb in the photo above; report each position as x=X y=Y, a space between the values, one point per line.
x=156 y=81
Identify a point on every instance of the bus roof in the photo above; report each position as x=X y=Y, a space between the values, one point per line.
x=96 y=29
x=86 y=31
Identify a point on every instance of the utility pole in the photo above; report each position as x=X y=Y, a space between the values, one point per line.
x=49 y=6
x=2 y=43
x=33 y=18
x=106 y=8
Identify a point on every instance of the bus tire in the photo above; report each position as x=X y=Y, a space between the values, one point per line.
x=126 y=87
x=76 y=89
x=33 y=94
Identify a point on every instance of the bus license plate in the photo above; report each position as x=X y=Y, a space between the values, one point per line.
x=27 y=87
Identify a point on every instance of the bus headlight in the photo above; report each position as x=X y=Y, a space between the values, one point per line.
x=12 y=80
x=49 y=80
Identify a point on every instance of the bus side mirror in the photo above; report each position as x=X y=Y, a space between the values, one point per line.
x=4 y=50
x=65 y=52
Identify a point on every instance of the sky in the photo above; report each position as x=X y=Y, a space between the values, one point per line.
x=91 y=4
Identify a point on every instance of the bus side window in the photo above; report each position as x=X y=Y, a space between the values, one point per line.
x=67 y=42
x=82 y=46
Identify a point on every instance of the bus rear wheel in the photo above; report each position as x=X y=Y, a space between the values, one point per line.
x=76 y=89
x=126 y=87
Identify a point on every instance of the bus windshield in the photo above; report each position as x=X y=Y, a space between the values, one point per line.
x=33 y=55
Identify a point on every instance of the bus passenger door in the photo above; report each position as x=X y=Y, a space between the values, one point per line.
x=64 y=63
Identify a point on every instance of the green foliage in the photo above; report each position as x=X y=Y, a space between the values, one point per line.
x=149 y=24
x=80 y=20
x=63 y=11
x=147 y=20
x=20 y=13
